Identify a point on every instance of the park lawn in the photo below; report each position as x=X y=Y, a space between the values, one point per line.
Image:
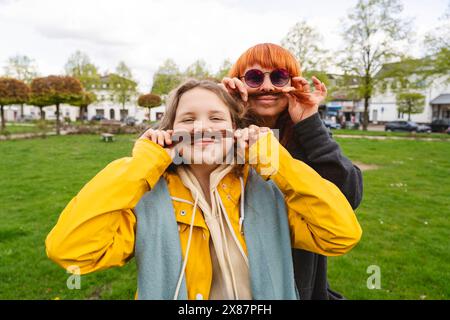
x=433 y=135
x=404 y=216
x=14 y=128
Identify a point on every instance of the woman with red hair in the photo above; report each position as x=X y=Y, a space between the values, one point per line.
x=268 y=79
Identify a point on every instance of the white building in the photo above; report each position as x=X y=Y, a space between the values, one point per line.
x=383 y=106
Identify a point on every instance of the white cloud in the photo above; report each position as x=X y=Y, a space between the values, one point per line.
x=145 y=33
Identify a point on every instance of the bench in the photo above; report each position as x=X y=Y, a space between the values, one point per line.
x=107 y=137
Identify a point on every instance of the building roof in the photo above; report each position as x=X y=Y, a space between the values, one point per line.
x=442 y=99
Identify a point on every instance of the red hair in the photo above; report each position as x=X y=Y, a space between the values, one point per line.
x=267 y=55
x=271 y=56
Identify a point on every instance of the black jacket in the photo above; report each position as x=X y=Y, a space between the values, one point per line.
x=314 y=145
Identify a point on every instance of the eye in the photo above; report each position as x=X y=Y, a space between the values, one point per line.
x=187 y=120
x=217 y=119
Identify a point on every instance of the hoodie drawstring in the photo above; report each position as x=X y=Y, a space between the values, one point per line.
x=241 y=212
x=183 y=269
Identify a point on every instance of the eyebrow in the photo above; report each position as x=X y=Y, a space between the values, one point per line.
x=184 y=114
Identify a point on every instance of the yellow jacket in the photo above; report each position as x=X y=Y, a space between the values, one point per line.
x=96 y=230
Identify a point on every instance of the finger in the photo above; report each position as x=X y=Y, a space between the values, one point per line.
x=244 y=136
x=324 y=88
x=299 y=80
x=288 y=89
x=317 y=84
x=160 y=138
x=253 y=134
x=147 y=133
x=167 y=138
x=228 y=82
x=152 y=136
x=241 y=87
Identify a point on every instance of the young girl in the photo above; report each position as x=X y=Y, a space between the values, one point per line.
x=206 y=228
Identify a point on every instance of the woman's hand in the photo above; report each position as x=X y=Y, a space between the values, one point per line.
x=163 y=138
x=302 y=102
x=235 y=86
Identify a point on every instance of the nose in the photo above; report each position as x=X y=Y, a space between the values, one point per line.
x=203 y=126
x=267 y=85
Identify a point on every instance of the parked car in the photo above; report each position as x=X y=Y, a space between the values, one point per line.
x=130 y=121
x=440 y=125
x=331 y=125
x=98 y=117
x=407 y=126
x=423 y=128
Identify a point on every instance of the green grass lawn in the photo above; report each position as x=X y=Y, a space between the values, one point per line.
x=404 y=215
x=433 y=135
x=15 y=128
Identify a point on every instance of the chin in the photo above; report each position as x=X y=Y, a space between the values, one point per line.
x=265 y=111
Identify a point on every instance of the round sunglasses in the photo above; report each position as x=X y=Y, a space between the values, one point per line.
x=254 y=78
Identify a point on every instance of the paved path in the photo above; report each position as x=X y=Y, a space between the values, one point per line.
x=350 y=136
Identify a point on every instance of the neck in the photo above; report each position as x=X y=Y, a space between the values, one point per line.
x=269 y=122
x=203 y=172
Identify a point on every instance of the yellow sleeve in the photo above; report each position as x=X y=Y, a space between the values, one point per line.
x=320 y=218
x=96 y=230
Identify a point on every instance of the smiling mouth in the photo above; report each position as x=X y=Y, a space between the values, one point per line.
x=266 y=98
x=204 y=142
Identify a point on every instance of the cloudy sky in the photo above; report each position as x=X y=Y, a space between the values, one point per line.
x=144 y=33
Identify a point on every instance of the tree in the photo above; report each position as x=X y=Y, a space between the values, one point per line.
x=22 y=68
x=373 y=37
x=55 y=90
x=85 y=100
x=437 y=42
x=149 y=101
x=41 y=104
x=405 y=75
x=410 y=103
x=80 y=66
x=122 y=84
x=12 y=91
x=224 y=69
x=306 y=44
x=166 y=78
x=198 y=70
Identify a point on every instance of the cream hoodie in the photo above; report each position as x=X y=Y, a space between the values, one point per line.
x=231 y=280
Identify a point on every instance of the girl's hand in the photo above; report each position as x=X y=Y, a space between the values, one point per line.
x=161 y=137
x=248 y=136
x=302 y=102
x=235 y=86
